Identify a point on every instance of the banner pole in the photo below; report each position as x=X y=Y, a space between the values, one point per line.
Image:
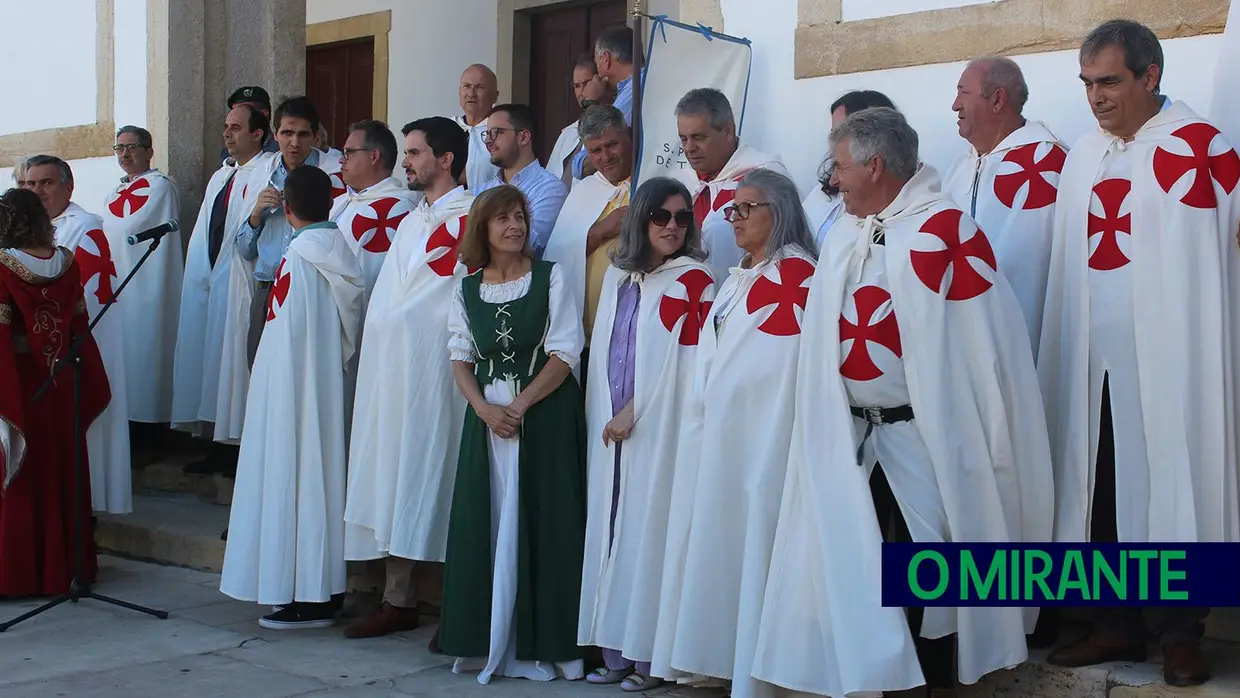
x=635 y=23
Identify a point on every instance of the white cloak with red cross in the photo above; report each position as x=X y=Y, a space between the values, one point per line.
x=205 y=307
x=107 y=439
x=710 y=198
x=974 y=393
x=567 y=244
x=330 y=162
x=407 y=423
x=369 y=220
x=730 y=471
x=1173 y=218
x=286 y=526
x=1011 y=193
x=152 y=299
x=621 y=581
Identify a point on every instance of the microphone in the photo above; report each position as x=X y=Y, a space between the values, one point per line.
x=154 y=233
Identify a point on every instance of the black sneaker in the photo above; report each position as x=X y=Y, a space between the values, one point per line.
x=299 y=615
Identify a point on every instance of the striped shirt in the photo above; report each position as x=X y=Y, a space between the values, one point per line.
x=545 y=194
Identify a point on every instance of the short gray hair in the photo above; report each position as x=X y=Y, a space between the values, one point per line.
x=880 y=132
x=709 y=102
x=1139 y=44
x=632 y=254
x=66 y=174
x=1002 y=73
x=598 y=120
x=789 y=226
x=143 y=135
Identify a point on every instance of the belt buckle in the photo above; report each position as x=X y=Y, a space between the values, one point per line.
x=873 y=415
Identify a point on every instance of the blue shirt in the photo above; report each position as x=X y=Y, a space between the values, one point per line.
x=545 y=194
x=268 y=242
x=624 y=102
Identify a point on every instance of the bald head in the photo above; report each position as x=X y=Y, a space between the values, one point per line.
x=479 y=91
x=990 y=97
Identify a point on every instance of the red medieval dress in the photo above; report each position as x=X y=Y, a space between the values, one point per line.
x=39 y=318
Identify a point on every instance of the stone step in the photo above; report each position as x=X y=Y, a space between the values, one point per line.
x=169 y=528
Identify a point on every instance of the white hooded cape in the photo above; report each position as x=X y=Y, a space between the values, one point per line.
x=1011 y=193
x=1225 y=107
x=621 y=581
x=107 y=439
x=407 y=428
x=152 y=299
x=710 y=198
x=730 y=472
x=565 y=147
x=369 y=220
x=286 y=527
x=567 y=244
x=823 y=629
x=205 y=306
x=1184 y=208
x=820 y=209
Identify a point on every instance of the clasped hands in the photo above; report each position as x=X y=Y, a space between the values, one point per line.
x=504 y=420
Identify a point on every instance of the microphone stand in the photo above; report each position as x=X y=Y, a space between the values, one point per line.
x=79 y=588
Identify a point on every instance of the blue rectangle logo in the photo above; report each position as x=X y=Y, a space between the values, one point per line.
x=1061 y=574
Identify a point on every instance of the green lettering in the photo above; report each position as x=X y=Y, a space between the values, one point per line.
x=1072 y=576
x=1037 y=577
x=971 y=578
x=1015 y=576
x=916 y=587
x=1143 y=574
x=1102 y=568
x=1167 y=575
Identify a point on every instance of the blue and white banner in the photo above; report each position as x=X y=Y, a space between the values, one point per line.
x=679 y=58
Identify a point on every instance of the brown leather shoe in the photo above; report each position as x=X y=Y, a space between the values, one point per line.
x=1092 y=650
x=389 y=619
x=1183 y=665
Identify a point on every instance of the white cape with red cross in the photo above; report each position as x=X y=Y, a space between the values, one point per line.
x=974 y=391
x=286 y=526
x=1181 y=216
x=152 y=300
x=621 y=580
x=407 y=423
x=369 y=220
x=730 y=469
x=107 y=439
x=1011 y=193
x=567 y=244
x=710 y=198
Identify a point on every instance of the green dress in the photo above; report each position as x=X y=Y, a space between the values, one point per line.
x=508 y=339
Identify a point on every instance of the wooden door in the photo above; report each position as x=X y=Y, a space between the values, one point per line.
x=558 y=35
x=340 y=82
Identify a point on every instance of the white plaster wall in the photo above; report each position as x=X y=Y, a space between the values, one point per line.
x=431 y=43
x=789 y=117
x=72 y=66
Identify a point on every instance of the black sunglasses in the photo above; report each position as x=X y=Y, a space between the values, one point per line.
x=662 y=216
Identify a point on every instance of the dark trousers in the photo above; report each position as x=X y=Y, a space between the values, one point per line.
x=937 y=656
x=258 y=319
x=1174 y=625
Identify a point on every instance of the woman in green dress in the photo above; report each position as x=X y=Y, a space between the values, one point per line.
x=516 y=534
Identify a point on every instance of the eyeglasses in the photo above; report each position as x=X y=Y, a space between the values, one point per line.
x=662 y=216
x=741 y=210
x=122 y=147
x=493 y=133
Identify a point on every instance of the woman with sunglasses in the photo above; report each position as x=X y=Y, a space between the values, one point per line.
x=730 y=466
x=655 y=298
x=520 y=481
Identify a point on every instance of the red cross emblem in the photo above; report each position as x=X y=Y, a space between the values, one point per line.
x=704 y=205
x=787 y=295
x=129 y=200
x=98 y=263
x=338 y=186
x=1106 y=222
x=693 y=307
x=1223 y=167
x=447 y=237
x=875 y=323
x=279 y=291
x=952 y=264
x=375 y=233
x=1038 y=177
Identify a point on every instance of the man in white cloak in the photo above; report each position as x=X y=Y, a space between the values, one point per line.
x=144 y=199
x=371 y=210
x=823 y=206
x=478 y=92
x=718 y=161
x=1139 y=337
x=888 y=445
x=1009 y=178
x=286 y=540
x=406 y=432
x=206 y=301
x=107 y=439
x=564 y=161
